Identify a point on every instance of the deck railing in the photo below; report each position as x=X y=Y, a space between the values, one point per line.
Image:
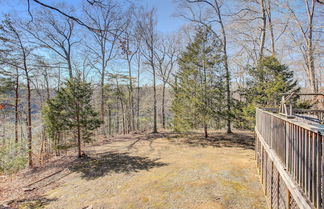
x=290 y=161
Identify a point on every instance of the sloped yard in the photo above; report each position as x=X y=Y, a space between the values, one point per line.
x=161 y=171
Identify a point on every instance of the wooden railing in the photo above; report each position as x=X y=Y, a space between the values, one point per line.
x=290 y=161
x=316 y=115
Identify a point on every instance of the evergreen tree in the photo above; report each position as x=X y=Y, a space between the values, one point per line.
x=71 y=110
x=7 y=85
x=267 y=81
x=199 y=91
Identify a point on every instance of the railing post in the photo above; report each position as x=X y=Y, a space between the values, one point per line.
x=322 y=165
x=287 y=145
x=318 y=170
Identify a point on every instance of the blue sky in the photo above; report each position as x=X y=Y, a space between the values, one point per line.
x=165 y=10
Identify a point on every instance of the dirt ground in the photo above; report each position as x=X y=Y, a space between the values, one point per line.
x=159 y=171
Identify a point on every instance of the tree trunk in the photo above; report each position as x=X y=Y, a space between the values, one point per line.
x=228 y=81
x=205 y=130
x=138 y=94
x=70 y=67
x=228 y=75
x=123 y=116
x=228 y=92
x=163 y=104
x=131 y=97
x=311 y=69
x=30 y=151
x=29 y=116
x=78 y=131
x=310 y=47
x=273 y=49
x=102 y=101
x=109 y=121
x=154 y=102
x=117 y=119
x=205 y=87
x=46 y=141
x=154 y=91
x=16 y=105
x=263 y=27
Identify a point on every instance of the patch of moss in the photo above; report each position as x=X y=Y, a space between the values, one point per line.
x=233 y=185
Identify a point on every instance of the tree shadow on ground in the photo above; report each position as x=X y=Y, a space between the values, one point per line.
x=61 y=161
x=148 y=137
x=33 y=203
x=112 y=162
x=241 y=140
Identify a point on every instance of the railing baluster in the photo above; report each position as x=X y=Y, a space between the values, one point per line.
x=322 y=169
x=299 y=153
x=318 y=171
x=303 y=160
x=306 y=162
x=310 y=164
x=313 y=168
x=294 y=152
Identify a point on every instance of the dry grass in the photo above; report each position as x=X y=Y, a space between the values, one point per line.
x=161 y=171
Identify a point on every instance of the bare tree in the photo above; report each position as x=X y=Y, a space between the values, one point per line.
x=138 y=60
x=19 y=59
x=108 y=18
x=307 y=46
x=166 y=54
x=146 y=25
x=55 y=34
x=42 y=75
x=130 y=48
x=66 y=14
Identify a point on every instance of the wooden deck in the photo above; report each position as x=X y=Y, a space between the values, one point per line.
x=290 y=161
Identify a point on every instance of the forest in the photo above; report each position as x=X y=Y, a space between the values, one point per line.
x=104 y=69
x=75 y=73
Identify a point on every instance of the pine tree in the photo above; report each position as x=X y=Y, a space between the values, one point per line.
x=198 y=93
x=267 y=81
x=6 y=85
x=71 y=111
